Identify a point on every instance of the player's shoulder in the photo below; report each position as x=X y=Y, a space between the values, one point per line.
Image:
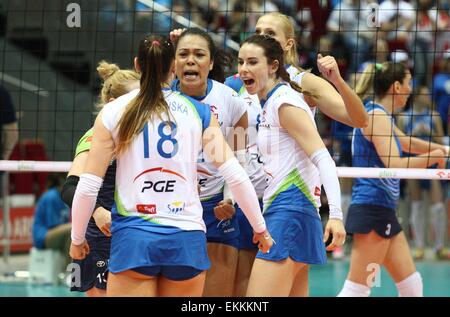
x=222 y=91
x=235 y=83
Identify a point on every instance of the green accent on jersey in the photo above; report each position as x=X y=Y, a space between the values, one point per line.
x=293 y=178
x=193 y=109
x=85 y=142
x=210 y=197
x=123 y=212
x=242 y=90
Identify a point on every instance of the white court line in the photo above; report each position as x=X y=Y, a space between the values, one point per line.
x=23 y=84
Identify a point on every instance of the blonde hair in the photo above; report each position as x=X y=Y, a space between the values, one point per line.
x=116 y=82
x=364 y=85
x=291 y=56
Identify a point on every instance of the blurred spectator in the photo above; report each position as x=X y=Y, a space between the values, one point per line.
x=397 y=18
x=380 y=54
x=257 y=8
x=422 y=122
x=401 y=56
x=422 y=44
x=157 y=21
x=441 y=14
x=348 y=21
x=51 y=227
x=237 y=22
x=10 y=132
x=287 y=7
x=441 y=90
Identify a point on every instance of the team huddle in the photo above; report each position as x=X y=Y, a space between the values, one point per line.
x=193 y=184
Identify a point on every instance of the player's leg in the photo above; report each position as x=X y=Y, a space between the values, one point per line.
x=401 y=267
x=220 y=277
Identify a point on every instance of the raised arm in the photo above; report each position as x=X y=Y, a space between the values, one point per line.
x=342 y=105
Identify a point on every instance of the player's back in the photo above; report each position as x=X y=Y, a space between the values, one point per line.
x=156 y=180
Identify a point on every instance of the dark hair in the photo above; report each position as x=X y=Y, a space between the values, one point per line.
x=54 y=180
x=274 y=52
x=378 y=78
x=155 y=57
x=220 y=57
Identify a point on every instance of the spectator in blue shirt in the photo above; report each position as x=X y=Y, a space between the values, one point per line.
x=51 y=227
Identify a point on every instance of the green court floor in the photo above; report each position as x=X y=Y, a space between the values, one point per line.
x=325 y=280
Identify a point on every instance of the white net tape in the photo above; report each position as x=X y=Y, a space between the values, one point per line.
x=344 y=172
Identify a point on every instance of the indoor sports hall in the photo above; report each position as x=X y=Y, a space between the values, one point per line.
x=51 y=93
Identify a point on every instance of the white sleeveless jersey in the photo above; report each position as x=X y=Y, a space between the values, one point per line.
x=156 y=178
x=228 y=108
x=254 y=166
x=285 y=163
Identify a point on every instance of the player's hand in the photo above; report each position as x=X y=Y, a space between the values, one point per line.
x=224 y=210
x=175 y=34
x=264 y=241
x=79 y=252
x=328 y=67
x=335 y=227
x=102 y=219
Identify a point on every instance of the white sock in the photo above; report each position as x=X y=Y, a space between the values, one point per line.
x=352 y=289
x=411 y=286
x=418 y=223
x=437 y=220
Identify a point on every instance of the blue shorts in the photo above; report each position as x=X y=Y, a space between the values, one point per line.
x=297 y=235
x=174 y=273
x=246 y=230
x=94 y=268
x=225 y=232
x=159 y=253
x=365 y=218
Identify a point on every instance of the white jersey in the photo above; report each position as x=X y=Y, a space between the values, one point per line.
x=156 y=178
x=254 y=167
x=286 y=165
x=228 y=108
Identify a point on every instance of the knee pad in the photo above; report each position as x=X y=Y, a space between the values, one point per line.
x=411 y=286
x=352 y=289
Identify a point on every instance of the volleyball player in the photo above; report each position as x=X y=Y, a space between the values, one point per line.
x=296 y=163
x=378 y=238
x=94 y=268
x=342 y=105
x=200 y=73
x=158 y=245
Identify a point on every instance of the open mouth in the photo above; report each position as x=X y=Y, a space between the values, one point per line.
x=190 y=75
x=248 y=82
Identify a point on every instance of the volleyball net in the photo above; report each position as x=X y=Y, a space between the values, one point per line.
x=49 y=51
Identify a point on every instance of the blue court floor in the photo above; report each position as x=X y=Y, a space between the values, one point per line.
x=325 y=280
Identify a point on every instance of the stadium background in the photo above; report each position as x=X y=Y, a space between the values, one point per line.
x=48 y=66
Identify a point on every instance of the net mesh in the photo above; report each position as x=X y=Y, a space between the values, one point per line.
x=49 y=51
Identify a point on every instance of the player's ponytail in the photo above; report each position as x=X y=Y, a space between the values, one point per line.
x=376 y=79
x=155 y=58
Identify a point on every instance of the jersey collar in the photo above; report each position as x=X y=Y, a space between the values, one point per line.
x=176 y=87
x=271 y=92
